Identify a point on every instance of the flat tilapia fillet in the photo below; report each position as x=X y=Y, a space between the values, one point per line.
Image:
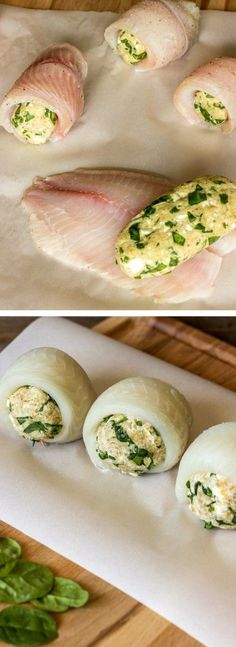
x=55 y=80
x=76 y=217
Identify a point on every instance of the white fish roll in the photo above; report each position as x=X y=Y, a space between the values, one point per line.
x=208 y=96
x=153 y=33
x=45 y=396
x=206 y=479
x=136 y=426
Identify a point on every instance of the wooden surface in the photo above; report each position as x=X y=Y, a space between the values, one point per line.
x=223 y=328
x=107 y=5
x=113 y=619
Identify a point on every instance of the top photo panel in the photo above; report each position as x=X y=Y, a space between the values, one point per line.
x=118 y=150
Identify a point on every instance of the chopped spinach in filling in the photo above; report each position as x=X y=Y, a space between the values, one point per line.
x=130 y=48
x=130 y=445
x=212 y=497
x=176 y=226
x=34 y=414
x=34 y=122
x=209 y=108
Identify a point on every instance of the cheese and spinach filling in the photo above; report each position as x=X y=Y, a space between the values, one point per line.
x=34 y=122
x=130 y=48
x=177 y=226
x=212 y=497
x=130 y=445
x=34 y=413
x=209 y=108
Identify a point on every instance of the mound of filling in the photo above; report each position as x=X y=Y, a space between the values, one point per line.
x=34 y=414
x=209 y=108
x=34 y=122
x=130 y=445
x=176 y=226
x=212 y=497
x=130 y=48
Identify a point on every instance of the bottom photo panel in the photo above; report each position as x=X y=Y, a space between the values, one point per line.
x=118 y=481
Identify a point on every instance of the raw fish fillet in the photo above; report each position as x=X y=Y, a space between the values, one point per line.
x=167 y=29
x=54 y=80
x=218 y=78
x=76 y=217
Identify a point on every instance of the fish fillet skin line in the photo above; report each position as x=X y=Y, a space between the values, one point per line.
x=79 y=225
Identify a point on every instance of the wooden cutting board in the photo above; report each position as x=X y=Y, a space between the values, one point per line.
x=113 y=619
x=107 y=5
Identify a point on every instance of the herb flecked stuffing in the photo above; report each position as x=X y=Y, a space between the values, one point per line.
x=177 y=226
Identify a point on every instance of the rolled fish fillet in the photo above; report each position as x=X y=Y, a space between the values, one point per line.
x=176 y=227
x=208 y=96
x=153 y=33
x=47 y=99
x=206 y=479
x=45 y=396
x=136 y=426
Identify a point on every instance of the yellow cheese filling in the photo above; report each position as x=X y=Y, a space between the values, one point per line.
x=34 y=122
x=34 y=413
x=210 y=108
x=212 y=497
x=130 y=48
x=130 y=445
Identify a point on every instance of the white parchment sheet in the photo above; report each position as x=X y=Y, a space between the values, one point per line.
x=129 y=121
x=132 y=532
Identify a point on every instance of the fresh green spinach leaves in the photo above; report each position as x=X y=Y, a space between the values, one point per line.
x=64 y=595
x=27 y=581
x=24 y=626
x=9 y=550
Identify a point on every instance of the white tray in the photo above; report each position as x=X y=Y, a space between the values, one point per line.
x=131 y=532
x=130 y=122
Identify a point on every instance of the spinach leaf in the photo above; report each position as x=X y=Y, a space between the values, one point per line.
x=177 y=238
x=224 y=198
x=7 y=568
x=9 y=549
x=199 y=195
x=28 y=580
x=134 y=232
x=213 y=239
x=65 y=594
x=24 y=626
x=120 y=433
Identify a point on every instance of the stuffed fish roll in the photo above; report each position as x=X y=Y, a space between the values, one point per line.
x=153 y=33
x=45 y=396
x=176 y=227
x=47 y=99
x=208 y=96
x=139 y=425
x=206 y=479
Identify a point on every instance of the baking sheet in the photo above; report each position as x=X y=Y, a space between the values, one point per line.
x=131 y=532
x=129 y=121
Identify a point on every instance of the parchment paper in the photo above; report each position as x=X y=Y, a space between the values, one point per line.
x=132 y=532
x=129 y=121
